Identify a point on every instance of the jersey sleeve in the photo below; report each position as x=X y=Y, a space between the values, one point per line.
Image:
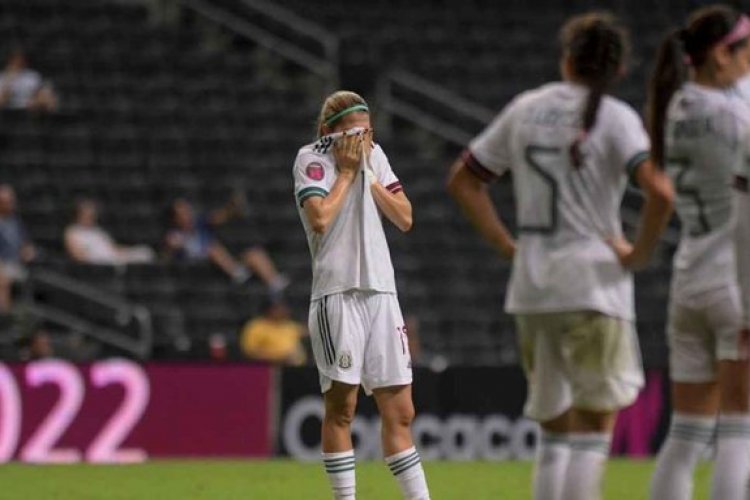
x=489 y=154
x=384 y=172
x=630 y=143
x=309 y=177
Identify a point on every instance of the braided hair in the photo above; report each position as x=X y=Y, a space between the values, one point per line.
x=597 y=47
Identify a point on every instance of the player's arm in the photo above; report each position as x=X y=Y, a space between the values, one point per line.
x=471 y=194
x=655 y=214
x=320 y=210
x=395 y=206
x=386 y=189
x=742 y=240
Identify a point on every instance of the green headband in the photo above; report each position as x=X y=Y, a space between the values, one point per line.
x=341 y=114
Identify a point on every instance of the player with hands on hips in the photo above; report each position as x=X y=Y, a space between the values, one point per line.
x=571 y=149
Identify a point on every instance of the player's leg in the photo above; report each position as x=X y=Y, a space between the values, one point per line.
x=397 y=413
x=548 y=400
x=387 y=373
x=603 y=359
x=732 y=467
x=340 y=404
x=694 y=407
x=552 y=457
x=695 y=402
x=336 y=434
x=589 y=441
x=336 y=336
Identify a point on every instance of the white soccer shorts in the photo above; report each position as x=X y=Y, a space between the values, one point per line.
x=582 y=360
x=360 y=338
x=702 y=330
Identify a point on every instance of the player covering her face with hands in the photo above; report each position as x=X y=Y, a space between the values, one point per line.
x=343 y=182
x=571 y=150
x=698 y=125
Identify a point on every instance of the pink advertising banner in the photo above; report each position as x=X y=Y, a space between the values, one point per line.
x=119 y=411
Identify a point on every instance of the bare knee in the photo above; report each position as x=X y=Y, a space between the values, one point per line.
x=401 y=415
x=734 y=381
x=592 y=421
x=340 y=408
x=558 y=425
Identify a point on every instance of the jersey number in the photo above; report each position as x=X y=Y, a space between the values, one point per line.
x=696 y=222
x=543 y=218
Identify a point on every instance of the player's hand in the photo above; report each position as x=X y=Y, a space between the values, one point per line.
x=626 y=253
x=347 y=152
x=369 y=143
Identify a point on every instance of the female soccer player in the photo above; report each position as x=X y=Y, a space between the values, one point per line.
x=698 y=127
x=343 y=181
x=571 y=150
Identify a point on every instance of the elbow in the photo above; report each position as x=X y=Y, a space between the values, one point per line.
x=462 y=184
x=455 y=184
x=659 y=191
x=662 y=197
x=319 y=228
x=319 y=225
x=406 y=224
x=452 y=187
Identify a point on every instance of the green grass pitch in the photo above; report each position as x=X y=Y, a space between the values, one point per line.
x=287 y=480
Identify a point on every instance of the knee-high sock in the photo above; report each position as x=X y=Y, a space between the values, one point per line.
x=688 y=438
x=588 y=458
x=732 y=467
x=550 y=466
x=406 y=467
x=340 y=470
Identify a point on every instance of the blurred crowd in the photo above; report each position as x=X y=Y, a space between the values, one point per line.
x=190 y=237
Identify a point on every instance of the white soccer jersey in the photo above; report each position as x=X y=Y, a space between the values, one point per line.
x=742 y=87
x=564 y=213
x=353 y=253
x=703 y=150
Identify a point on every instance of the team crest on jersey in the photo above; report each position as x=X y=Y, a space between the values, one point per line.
x=315 y=171
x=345 y=360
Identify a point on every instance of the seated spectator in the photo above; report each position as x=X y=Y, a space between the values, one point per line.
x=37 y=346
x=87 y=242
x=192 y=238
x=274 y=337
x=16 y=248
x=23 y=88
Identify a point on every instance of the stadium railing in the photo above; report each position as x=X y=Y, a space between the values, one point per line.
x=101 y=315
x=430 y=106
x=325 y=65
